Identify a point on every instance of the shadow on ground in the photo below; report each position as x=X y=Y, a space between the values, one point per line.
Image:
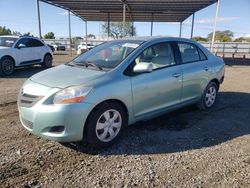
x=183 y=130
x=26 y=72
x=237 y=62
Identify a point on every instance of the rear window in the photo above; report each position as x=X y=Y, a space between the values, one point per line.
x=191 y=53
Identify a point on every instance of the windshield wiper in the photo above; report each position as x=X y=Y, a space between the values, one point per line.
x=86 y=64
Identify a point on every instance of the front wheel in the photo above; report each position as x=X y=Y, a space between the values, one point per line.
x=105 y=125
x=47 y=62
x=7 y=66
x=209 y=96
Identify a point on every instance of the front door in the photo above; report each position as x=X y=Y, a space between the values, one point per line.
x=161 y=88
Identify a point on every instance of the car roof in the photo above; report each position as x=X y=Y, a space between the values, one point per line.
x=149 y=38
x=13 y=36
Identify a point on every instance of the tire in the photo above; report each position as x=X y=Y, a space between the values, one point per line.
x=47 y=61
x=209 y=96
x=7 y=66
x=102 y=128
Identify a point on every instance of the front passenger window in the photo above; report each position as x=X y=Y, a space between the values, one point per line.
x=160 y=55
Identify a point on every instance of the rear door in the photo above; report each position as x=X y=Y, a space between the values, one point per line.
x=38 y=50
x=196 y=70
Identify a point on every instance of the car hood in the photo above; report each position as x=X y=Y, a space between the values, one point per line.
x=4 y=47
x=64 y=76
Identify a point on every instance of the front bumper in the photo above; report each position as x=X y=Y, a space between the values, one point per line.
x=42 y=118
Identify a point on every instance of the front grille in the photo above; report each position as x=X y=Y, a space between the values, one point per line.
x=27 y=100
x=27 y=123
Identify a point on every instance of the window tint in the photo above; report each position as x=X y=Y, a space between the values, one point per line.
x=34 y=43
x=189 y=52
x=203 y=57
x=23 y=41
x=160 y=55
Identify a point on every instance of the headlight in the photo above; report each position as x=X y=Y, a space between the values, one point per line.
x=70 y=95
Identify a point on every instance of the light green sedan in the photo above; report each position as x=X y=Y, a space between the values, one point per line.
x=99 y=93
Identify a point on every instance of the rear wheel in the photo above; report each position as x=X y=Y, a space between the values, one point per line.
x=209 y=96
x=105 y=125
x=7 y=66
x=47 y=62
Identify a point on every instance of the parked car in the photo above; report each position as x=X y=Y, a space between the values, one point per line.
x=16 y=51
x=58 y=46
x=82 y=47
x=99 y=93
x=51 y=47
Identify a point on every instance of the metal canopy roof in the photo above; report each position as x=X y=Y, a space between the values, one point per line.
x=136 y=10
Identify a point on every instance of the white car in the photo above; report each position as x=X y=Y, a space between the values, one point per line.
x=82 y=47
x=19 y=51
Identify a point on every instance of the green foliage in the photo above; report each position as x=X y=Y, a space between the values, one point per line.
x=28 y=34
x=200 y=39
x=117 y=31
x=240 y=39
x=5 y=31
x=49 y=35
x=222 y=36
x=91 y=36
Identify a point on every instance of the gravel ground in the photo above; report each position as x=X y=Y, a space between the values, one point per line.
x=185 y=148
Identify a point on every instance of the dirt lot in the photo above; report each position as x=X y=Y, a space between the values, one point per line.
x=186 y=148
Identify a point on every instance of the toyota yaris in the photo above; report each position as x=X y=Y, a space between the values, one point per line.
x=117 y=84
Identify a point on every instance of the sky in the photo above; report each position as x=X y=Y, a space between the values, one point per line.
x=20 y=15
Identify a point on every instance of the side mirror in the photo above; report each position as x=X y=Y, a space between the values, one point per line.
x=143 y=67
x=21 y=46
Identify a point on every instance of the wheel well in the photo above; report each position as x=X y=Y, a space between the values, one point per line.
x=8 y=56
x=113 y=101
x=47 y=54
x=216 y=81
x=105 y=102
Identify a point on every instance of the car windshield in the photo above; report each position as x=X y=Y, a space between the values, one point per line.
x=7 y=41
x=107 y=55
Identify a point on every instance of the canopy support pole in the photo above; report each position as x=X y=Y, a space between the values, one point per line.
x=180 y=29
x=215 y=24
x=192 y=28
x=70 y=44
x=86 y=34
x=108 y=25
x=39 y=19
x=132 y=29
x=124 y=18
x=152 y=25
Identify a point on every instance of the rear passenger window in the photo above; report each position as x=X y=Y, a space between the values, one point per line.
x=203 y=57
x=189 y=53
x=35 y=43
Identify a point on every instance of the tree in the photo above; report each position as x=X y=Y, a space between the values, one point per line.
x=49 y=35
x=5 y=31
x=240 y=39
x=91 y=36
x=17 y=33
x=222 y=36
x=200 y=39
x=117 y=31
x=28 y=34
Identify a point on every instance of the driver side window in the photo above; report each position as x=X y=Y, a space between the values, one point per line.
x=23 y=41
x=160 y=55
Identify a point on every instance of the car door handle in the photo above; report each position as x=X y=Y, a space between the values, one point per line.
x=176 y=75
x=206 y=69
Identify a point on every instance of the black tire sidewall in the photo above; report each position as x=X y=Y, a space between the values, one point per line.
x=90 y=126
x=203 y=104
x=44 y=61
x=1 y=66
